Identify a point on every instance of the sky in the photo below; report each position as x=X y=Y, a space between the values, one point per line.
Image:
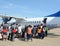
x=29 y=8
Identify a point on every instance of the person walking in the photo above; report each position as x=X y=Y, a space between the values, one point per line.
x=46 y=30
x=29 y=33
x=39 y=30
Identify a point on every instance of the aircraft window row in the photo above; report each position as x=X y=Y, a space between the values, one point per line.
x=34 y=22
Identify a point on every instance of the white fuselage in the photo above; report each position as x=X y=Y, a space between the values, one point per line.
x=51 y=21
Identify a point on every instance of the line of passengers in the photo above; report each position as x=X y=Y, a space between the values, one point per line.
x=16 y=31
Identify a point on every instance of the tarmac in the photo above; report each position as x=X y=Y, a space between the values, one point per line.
x=53 y=39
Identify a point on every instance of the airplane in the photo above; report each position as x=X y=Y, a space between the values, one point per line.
x=52 y=20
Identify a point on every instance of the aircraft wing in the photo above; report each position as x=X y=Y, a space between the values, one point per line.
x=8 y=18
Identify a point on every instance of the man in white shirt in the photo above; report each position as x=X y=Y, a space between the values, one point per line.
x=19 y=31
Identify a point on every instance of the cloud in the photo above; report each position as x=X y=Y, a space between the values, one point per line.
x=15 y=6
x=10 y=5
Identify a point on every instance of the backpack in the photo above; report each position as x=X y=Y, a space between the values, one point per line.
x=4 y=30
x=39 y=30
x=14 y=31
